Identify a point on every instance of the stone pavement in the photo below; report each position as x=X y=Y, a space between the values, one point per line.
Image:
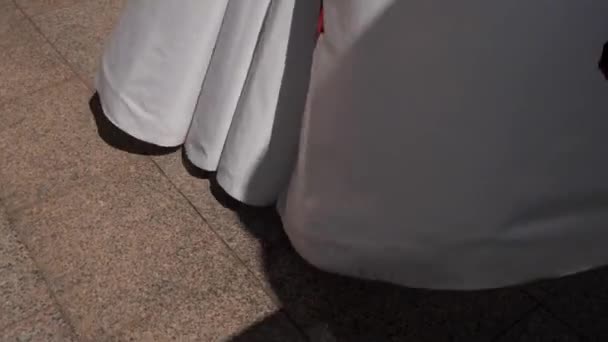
x=101 y=243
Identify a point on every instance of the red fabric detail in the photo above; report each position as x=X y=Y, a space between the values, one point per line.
x=320 y=24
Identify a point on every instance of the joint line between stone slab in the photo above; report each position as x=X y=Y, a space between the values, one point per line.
x=65 y=61
x=44 y=278
x=234 y=254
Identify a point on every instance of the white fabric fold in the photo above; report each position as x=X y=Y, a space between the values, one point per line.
x=210 y=75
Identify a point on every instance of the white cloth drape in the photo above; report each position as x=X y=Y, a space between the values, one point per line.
x=455 y=144
x=209 y=75
x=444 y=144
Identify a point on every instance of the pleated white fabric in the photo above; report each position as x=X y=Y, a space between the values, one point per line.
x=454 y=144
x=210 y=75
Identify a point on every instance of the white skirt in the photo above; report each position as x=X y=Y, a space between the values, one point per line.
x=455 y=144
x=226 y=78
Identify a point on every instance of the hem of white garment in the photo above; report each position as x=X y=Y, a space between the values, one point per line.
x=230 y=187
x=235 y=191
x=121 y=116
x=338 y=258
x=195 y=158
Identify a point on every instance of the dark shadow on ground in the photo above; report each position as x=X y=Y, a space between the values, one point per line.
x=118 y=139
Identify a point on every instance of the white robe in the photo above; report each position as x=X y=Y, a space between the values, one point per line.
x=210 y=75
x=445 y=144
x=454 y=144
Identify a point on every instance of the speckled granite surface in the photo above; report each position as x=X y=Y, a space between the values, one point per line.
x=99 y=243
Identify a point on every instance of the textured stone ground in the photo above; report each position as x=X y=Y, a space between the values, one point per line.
x=99 y=244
